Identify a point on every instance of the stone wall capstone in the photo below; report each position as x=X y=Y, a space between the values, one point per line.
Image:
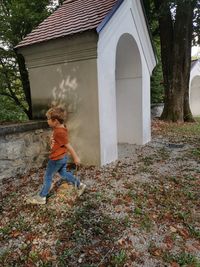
x=23 y=147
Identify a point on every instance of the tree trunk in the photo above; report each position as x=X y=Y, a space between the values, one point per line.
x=25 y=83
x=60 y=2
x=176 y=37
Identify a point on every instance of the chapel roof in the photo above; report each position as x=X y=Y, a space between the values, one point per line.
x=72 y=17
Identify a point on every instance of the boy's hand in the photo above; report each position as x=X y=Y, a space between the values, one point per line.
x=77 y=161
x=73 y=154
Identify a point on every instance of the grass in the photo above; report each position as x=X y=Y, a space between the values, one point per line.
x=118 y=259
x=163 y=154
x=183 y=259
x=148 y=160
x=178 y=133
x=14 y=226
x=146 y=223
x=196 y=153
x=194 y=231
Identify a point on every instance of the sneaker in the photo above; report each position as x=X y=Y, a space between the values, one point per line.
x=81 y=189
x=36 y=200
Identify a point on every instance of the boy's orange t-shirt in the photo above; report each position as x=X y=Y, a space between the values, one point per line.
x=58 y=141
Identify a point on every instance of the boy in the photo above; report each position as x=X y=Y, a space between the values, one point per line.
x=57 y=159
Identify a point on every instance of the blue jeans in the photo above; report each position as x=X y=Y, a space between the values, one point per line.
x=59 y=166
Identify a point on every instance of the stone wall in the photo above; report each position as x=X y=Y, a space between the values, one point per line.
x=156 y=110
x=23 y=147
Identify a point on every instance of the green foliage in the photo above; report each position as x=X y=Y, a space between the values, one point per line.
x=157 y=88
x=11 y=92
x=9 y=111
x=18 y=18
x=119 y=259
x=183 y=259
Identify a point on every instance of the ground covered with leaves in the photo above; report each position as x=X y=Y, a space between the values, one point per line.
x=142 y=210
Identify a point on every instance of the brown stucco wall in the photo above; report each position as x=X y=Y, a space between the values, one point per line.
x=64 y=72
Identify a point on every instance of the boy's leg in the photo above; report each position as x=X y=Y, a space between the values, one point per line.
x=51 y=169
x=70 y=178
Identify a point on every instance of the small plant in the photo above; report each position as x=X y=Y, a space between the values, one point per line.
x=148 y=160
x=126 y=221
x=146 y=223
x=5 y=230
x=196 y=152
x=183 y=215
x=191 y=195
x=175 y=179
x=195 y=232
x=22 y=225
x=190 y=178
x=34 y=256
x=163 y=153
x=138 y=211
x=118 y=259
x=145 y=169
x=132 y=194
x=101 y=197
x=66 y=254
x=3 y=256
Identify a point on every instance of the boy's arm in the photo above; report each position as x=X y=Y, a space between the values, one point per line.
x=73 y=153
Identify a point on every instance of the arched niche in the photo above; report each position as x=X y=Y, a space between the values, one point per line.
x=128 y=75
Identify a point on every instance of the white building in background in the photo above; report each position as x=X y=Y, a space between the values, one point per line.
x=195 y=87
x=196 y=51
x=96 y=59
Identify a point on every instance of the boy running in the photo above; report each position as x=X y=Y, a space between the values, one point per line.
x=58 y=159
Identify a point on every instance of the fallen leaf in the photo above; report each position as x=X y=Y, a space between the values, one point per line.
x=173 y=229
x=168 y=241
x=15 y=234
x=184 y=233
x=46 y=255
x=157 y=252
x=175 y=264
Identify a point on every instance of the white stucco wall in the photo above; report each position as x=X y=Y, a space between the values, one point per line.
x=195 y=89
x=127 y=19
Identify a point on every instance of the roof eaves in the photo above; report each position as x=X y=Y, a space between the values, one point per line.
x=109 y=16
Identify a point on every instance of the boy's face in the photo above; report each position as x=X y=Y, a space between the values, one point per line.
x=52 y=123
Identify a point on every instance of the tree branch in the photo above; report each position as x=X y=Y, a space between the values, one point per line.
x=9 y=87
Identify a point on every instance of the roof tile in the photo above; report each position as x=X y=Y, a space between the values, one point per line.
x=72 y=17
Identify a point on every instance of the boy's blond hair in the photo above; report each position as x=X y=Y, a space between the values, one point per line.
x=56 y=113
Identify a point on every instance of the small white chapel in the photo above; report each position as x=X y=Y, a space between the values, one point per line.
x=95 y=58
